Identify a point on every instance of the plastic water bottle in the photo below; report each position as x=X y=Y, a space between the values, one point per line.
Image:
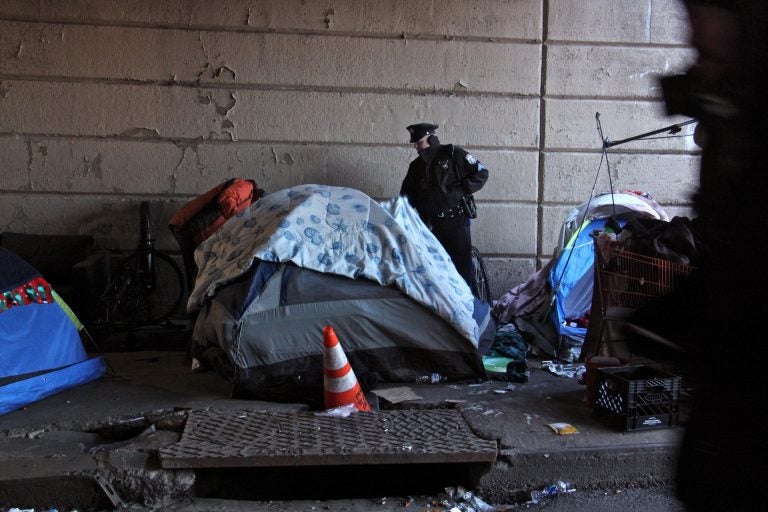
x=433 y=378
x=550 y=491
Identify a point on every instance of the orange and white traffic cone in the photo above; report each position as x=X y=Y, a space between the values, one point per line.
x=339 y=380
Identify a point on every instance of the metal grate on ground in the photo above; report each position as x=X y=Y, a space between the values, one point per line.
x=219 y=439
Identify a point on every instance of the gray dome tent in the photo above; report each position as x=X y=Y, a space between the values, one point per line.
x=311 y=256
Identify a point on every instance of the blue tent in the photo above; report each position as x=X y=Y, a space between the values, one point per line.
x=41 y=352
x=572 y=276
x=572 y=280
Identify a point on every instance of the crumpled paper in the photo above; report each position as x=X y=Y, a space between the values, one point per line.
x=572 y=371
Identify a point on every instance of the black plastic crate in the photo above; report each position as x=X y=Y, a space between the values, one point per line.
x=637 y=397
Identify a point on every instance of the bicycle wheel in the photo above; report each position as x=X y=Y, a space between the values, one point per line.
x=132 y=304
x=480 y=276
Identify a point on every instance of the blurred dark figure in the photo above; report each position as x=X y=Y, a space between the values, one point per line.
x=719 y=317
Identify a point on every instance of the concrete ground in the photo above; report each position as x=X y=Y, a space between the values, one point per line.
x=98 y=443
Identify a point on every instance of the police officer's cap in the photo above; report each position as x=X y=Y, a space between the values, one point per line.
x=421 y=130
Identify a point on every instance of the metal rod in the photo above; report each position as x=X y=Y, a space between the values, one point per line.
x=675 y=128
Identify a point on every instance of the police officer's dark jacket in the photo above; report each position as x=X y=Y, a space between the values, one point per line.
x=435 y=189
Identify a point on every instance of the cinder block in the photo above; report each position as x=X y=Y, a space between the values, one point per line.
x=479 y=18
x=513 y=175
x=112 y=220
x=69 y=165
x=505 y=229
x=594 y=71
x=669 y=23
x=600 y=20
x=272 y=60
x=152 y=113
x=147 y=167
x=16 y=155
x=570 y=124
x=569 y=177
x=508 y=122
x=552 y=219
x=506 y=273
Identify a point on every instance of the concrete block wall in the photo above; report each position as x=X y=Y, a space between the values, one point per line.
x=105 y=103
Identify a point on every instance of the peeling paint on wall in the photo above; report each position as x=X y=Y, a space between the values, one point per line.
x=329 y=17
x=225 y=72
x=93 y=167
x=187 y=147
x=30 y=160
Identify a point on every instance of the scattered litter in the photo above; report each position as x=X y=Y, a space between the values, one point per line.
x=432 y=378
x=14 y=509
x=461 y=500
x=551 y=491
x=573 y=371
x=485 y=383
x=341 y=411
x=396 y=395
x=563 y=428
x=496 y=365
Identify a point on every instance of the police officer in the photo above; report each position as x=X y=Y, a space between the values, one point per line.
x=439 y=184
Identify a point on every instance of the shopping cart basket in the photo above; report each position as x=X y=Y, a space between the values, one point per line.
x=624 y=282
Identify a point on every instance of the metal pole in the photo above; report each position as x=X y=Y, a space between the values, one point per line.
x=675 y=128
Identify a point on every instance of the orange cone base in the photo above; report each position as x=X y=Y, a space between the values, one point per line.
x=354 y=397
x=339 y=380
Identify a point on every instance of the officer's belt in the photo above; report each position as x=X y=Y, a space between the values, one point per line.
x=451 y=213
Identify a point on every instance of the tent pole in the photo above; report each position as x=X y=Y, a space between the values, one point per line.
x=674 y=128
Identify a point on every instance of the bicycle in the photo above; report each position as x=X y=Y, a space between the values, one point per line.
x=146 y=289
x=480 y=276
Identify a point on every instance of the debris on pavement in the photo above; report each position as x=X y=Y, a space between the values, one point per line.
x=551 y=491
x=461 y=500
x=341 y=411
x=396 y=395
x=563 y=428
x=572 y=371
